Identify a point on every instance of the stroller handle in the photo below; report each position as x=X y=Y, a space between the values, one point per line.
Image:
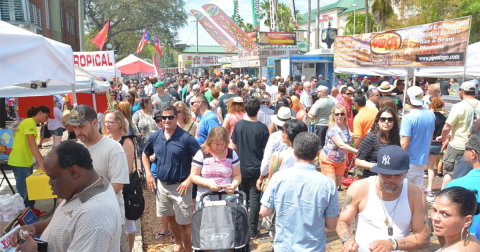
x=221 y=193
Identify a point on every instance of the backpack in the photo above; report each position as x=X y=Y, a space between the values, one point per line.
x=133 y=192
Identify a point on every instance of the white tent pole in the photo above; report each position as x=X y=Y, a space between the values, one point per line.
x=94 y=101
x=74 y=95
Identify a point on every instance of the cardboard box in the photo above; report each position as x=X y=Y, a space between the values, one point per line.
x=38 y=187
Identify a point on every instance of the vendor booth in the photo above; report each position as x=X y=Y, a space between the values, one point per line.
x=134 y=65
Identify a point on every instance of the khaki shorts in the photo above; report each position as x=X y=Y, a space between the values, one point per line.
x=450 y=158
x=170 y=203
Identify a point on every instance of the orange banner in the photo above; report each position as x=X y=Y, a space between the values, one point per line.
x=278 y=38
x=227 y=24
x=436 y=44
x=217 y=35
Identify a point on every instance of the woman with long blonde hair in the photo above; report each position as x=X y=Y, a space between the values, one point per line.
x=115 y=127
x=126 y=110
x=333 y=157
x=184 y=118
x=300 y=112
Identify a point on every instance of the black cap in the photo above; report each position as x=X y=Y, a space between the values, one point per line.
x=391 y=160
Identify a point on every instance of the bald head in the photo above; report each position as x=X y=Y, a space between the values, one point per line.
x=334 y=91
x=232 y=88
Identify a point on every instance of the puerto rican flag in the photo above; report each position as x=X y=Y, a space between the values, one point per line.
x=143 y=41
x=158 y=46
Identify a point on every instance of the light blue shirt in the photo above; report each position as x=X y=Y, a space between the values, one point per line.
x=207 y=122
x=419 y=125
x=470 y=182
x=303 y=198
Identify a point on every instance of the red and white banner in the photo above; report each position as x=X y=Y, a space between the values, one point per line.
x=158 y=72
x=98 y=63
x=217 y=35
x=229 y=27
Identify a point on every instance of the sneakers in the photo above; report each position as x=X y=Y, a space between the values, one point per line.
x=429 y=193
x=38 y=213
x=253 y=235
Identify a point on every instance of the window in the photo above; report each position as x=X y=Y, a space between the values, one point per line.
x=11 y=11
x=70 y=24
x=47 y=14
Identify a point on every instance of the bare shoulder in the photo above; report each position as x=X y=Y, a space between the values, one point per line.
x=473 y=244
x=358 y=189
x=415 y=193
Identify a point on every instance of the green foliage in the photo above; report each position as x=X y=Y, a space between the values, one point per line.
x=285 y=14
x=359 y=23
x=128 y=19
x=382 y=11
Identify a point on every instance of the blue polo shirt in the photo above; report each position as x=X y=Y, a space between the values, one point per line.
x=470 y=182
x=207 y=122
x=174 y=156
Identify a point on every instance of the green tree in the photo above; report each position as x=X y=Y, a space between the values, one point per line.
x=129 y=18
x=382 y=11
x=285 y=16
x=360 y=23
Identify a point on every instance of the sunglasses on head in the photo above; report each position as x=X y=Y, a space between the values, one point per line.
x=386 y=119
x=468 y=148
x=339 y=114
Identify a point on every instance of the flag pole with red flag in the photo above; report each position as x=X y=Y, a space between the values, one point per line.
x=158 y=46
x=158 y=71
x=143 y=41
x=102 y=36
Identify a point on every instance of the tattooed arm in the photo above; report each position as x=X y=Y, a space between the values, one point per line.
x=420 y=237
x=349 y=210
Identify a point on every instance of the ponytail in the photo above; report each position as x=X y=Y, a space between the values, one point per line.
x=31 y=112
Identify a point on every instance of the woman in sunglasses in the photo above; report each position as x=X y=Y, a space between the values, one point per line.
x=385 y=131
x=333 y=157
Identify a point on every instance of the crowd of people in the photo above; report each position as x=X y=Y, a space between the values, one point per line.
x=287 y=144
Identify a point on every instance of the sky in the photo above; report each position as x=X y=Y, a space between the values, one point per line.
x=187 y=34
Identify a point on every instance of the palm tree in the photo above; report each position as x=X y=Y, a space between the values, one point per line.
x=265 y=7
x=382 y=10
x=248 y=27
x=284 y=13
x=360 y=22
x=367 y=17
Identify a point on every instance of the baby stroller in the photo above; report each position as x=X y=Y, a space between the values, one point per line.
x=221 y=226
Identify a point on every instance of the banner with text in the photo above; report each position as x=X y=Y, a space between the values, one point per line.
x=278 y=38
x=436 y=44
x=217 y=35
x=256 y=11
x=99 y=63
x=227 y=24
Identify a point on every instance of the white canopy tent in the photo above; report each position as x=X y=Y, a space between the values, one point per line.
x=27 y=57
x=85 y=82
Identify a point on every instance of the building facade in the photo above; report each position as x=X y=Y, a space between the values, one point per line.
x=189 y=61
x=54 y=19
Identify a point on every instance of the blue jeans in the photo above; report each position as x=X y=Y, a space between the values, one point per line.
x=21 y=174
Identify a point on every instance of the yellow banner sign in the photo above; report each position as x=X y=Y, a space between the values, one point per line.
x=436 y=44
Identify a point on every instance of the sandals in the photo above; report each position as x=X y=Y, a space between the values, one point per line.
x=160 y=236
x=429 y=193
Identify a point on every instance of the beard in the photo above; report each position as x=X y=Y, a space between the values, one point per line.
x=388 y=189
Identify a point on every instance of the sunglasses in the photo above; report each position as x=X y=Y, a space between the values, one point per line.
x=193 y=102
x=339 y=114
x=168 y=117
x=349 y=93
x=386 y=119
x=158 y=120
x=468 y=148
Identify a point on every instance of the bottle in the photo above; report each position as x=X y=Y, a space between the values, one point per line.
x=18 y=202
x=8 y=211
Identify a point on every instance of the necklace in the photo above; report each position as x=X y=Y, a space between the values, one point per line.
x=85 y=189
x=388 y=223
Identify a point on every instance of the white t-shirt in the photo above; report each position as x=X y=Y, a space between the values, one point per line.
x=110 y=162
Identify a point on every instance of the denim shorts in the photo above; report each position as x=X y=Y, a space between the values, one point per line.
x=57 y=132
x=435 y=150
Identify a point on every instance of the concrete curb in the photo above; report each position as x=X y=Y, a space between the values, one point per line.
x=138 y=246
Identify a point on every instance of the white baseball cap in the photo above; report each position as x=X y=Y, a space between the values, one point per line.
x=416 y=95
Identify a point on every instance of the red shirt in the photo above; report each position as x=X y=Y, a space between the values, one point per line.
x=348 y=107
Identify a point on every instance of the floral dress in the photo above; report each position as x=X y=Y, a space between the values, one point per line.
x=331 y=150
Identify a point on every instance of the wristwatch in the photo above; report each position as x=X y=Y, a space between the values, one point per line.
x=345 y=239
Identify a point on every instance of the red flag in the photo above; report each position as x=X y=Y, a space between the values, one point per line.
x=143 y=41
x=158 y=72
x=158 y=46
x=102 y=36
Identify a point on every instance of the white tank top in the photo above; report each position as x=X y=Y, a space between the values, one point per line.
x=288 y=160
x=370 y=223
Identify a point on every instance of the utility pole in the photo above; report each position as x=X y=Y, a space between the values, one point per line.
x=317 y=31
x=81 y=24
x=308 y=24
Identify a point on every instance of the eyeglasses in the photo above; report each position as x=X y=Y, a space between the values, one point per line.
x=168 y=117
x=193 y=102
x=349 y=93
x=158 y=120
x=468 y=148
x=339 y=114
x=196 y=90
x=386 y=119
x=109 y=122
x=46 y=115
x=179 y=111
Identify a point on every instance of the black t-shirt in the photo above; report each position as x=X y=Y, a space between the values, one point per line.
x=368 y=151
x=225 y=89
x=397 y=100
x=223 y=102
x=251 y=139
x=444 y=87
x=440 y=120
